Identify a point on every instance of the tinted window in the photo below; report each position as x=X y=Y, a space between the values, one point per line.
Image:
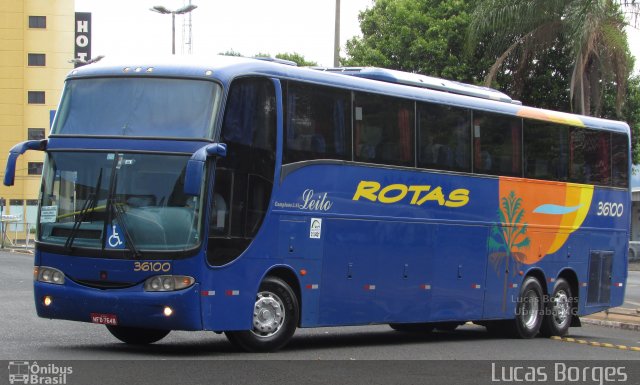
x=36 y=97
x=37 y=22
x=444 y=137
x=620 y=160
x=37 y=59
x=244 y=178
x=34 y=168
x=142 y=107
x=497 y=144
x=384 y=130
x=317 y=123
x=590 y=157
x=546 y=150
x=36 y=133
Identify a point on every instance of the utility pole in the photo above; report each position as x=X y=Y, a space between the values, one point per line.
x=2 y=204
x=336 y=42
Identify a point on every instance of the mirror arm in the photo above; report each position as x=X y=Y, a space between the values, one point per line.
x=14 y=154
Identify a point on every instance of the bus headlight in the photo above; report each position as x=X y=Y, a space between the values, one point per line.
x=168 y=282
x=48 y=275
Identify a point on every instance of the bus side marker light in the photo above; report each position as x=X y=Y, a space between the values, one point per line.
x=47 y=300
x=425 y=286
x=369 y=287
x=618 y=284
x=552 y=280
x=521 y=273
x=476 y=286
x=232 y=292
x=313 y=286
x=168 y=311
x=513 y=285
x=584 y=284
x=208 y=293
x=303 y=272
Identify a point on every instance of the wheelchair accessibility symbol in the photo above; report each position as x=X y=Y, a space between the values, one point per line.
x=114 y=237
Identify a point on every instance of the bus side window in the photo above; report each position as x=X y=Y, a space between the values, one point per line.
x=239 y=204
x=317 y=123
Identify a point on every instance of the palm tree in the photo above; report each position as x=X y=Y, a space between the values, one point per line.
x=518 y=31
x=506 y=238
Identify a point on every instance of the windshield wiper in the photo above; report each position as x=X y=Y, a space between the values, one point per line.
x=89 y=205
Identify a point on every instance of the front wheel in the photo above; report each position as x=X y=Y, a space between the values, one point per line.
x=137 y=336
x=275 y=318
x=558 y=310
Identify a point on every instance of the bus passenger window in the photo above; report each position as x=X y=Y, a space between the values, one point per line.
x=384 y=130
x=444 y=137
x=497 y=144
x=317 y=123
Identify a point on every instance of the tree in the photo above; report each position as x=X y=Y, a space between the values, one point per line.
x=296 y=58
x=424 y=36
x=591 y=32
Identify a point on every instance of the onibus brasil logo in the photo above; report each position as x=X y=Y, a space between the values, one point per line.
x=25 y=372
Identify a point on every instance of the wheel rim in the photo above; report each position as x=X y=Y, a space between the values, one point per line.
x=268 y=314
x=561 y=308
x=530 y=309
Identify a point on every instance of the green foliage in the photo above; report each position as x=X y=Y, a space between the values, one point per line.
x=230 y=52
x=296 y=58
x=424 y=36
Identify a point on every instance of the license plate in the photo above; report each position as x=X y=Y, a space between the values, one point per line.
x=104 y=319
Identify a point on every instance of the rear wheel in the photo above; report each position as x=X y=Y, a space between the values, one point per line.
x=413 y=327
x=558 y=310
x=529 y=310
x=275 y=318
x=137 y=336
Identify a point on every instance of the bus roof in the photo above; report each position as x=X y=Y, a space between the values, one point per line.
x=373 y=80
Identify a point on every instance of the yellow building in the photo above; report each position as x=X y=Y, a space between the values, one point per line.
x=36 y=44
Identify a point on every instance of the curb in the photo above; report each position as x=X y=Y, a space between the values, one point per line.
x=611 y=324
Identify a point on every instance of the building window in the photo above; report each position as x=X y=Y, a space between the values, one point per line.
x=37 y=59
x=35 y=168
x=37 y=22
x=36 y=97
x=32 y=202
x=36 y=133
x=16 y=202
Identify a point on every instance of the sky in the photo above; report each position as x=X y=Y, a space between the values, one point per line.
x=126 y=27
x=122 y=27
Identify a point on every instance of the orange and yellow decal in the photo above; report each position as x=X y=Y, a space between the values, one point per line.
x=552 y=211
x=550 y=116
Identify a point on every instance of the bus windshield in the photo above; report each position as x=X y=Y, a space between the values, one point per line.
x=118 y=201
x=138 y=107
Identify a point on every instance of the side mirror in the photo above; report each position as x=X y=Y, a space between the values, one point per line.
x=194 y=173
x=15 y=152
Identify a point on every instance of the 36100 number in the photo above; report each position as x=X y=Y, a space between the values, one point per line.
x=152 y=266
x=610 y=209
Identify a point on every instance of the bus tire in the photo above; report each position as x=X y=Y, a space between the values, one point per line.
x=275 y=318
x=137 y=336
x=558 y=310
x=412 y=327
x=529 y=310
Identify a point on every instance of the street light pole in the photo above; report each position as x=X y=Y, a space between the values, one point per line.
x=179 y=11
x=336 y=41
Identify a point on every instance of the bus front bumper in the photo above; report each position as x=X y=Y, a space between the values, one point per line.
x=131 y=307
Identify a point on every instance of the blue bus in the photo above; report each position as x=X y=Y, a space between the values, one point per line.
x=253 y=197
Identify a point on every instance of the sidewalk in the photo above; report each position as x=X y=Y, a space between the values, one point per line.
x=617 y=317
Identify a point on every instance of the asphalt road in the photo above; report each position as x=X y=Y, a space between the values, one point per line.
x=632 y=292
